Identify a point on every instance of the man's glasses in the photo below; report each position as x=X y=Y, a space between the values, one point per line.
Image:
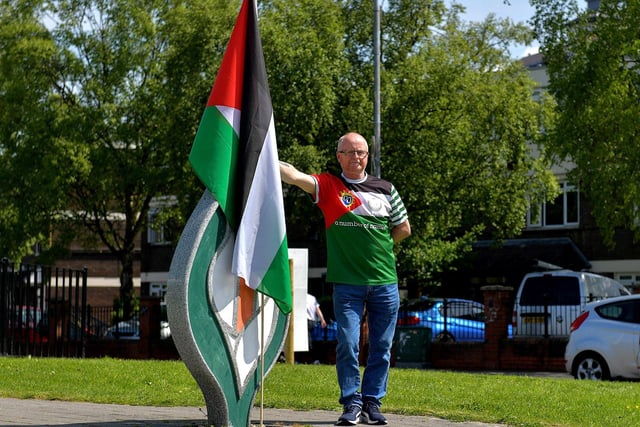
x=357 y=153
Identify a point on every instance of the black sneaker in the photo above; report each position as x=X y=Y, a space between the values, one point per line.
x=371 y=414
x=350 y=416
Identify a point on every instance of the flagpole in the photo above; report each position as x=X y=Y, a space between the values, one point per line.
x=261 y=359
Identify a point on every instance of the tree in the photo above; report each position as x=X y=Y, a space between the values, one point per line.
x=305 y=85
x=103 y=97
x=459 y=127
x=26 y=50
x=593 y=62
x=459 y=124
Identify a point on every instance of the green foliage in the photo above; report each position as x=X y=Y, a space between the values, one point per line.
x=303 y=76
x=594 y=69
x=98 y=112
x=118 y=312
x=460 y=124
x=460 y=128
x=104 y=121
x=27 y=51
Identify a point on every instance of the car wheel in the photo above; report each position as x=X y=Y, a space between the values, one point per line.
x=445 y=337
x=590 y=366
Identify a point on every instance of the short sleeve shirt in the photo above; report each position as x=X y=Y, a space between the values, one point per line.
x=358 y=217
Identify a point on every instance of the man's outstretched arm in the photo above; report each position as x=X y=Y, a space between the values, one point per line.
x=293 y=176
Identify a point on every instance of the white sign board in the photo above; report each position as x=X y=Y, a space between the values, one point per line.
x=300 y=279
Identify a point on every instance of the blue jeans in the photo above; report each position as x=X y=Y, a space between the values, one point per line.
x=349 y=303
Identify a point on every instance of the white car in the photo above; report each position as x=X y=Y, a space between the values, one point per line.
x=604 y=342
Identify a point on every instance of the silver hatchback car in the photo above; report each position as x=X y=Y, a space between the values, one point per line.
x=604 y=342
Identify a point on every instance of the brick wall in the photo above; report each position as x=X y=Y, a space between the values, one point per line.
x=499 y=352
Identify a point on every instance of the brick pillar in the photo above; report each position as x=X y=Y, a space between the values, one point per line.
x=149 y=325
x=497 y=316
x=58 y=317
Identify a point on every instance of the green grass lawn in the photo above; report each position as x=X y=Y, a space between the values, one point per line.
x=515 y=400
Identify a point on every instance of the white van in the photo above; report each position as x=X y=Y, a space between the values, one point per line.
x=547 y=302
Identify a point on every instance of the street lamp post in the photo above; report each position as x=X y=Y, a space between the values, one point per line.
x=377 y=139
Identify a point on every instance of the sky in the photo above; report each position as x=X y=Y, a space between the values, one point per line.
x=517 y=10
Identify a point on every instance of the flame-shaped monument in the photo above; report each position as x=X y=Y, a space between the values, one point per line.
x=202 y=306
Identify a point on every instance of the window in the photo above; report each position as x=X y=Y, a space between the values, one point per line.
x=156 y=233
x=550 y=290
x=564 y=211
x=624 y=311
x=157 y=289
x=161 y=228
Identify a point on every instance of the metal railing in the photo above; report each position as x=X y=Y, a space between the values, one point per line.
x=450 y=320
x=545 y=319
x=42 y=310
x=106 y=323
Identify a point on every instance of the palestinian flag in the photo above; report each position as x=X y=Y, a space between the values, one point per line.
x=235 y=155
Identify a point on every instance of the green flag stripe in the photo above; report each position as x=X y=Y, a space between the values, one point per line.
x=214 y=158
x=274 y=282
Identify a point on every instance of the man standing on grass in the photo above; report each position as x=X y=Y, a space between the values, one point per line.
x=364 y=217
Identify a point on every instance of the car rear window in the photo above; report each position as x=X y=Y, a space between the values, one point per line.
x=463 y=310
x=417 y=305
x=599 y=287
x=624 y=311
x=551 y=290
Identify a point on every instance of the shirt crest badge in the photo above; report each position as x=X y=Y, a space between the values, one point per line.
x=347 y=198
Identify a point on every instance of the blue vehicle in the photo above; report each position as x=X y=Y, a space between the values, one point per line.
x=450 y=320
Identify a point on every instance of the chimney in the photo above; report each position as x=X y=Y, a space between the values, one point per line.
x=593 y=5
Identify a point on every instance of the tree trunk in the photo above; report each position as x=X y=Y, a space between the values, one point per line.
x=127 y=294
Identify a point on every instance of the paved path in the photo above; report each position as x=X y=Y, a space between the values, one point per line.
x=17 y=412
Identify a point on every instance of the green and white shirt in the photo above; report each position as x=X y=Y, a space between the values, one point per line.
x=358 y=217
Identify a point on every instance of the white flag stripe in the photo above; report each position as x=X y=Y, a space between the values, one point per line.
x=262 y=227
x=232 y=115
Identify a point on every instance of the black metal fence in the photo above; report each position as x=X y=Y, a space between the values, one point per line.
x=546 y=319
x=450 y=319
x=43 y=310
x=105 y=322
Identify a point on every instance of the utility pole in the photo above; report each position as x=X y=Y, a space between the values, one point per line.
x=377 y=138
